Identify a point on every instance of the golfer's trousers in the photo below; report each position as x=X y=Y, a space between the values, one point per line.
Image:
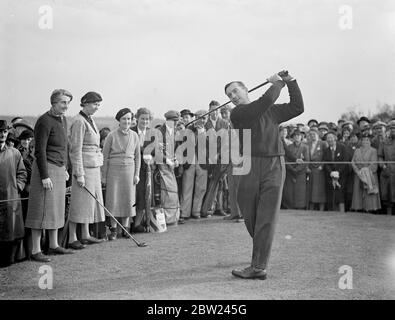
x=259 y=198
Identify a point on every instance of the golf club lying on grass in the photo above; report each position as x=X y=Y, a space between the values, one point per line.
x=139 y=244
x=281 y=74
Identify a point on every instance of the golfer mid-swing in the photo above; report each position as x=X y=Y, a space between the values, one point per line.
x=260 y=190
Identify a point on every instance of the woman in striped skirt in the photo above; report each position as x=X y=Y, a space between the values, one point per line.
x=120 y=171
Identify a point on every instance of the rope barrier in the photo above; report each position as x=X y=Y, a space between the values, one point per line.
x=289 y=163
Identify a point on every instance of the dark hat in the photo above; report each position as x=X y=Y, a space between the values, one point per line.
x=295 y=132
x=3 y=125
x=340 y=121
x=187 y=111
x=172 y=115
x=312 y=120
x=91 y=97
x=122 y=112
x=26 y=134
x=363 y=119
x=11 y=137
x=332 y=125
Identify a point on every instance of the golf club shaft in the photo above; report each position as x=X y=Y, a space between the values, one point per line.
x=110 y=214
x=224 y=104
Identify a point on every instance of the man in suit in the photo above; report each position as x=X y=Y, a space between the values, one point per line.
x=336 y=174
x=214 y=196
x=260 y=189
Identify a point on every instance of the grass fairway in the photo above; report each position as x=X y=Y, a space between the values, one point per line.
x=194 y=261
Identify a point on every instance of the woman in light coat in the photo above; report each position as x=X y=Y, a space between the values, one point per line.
x=366 y=195
x=86 y=159
x=120 y=171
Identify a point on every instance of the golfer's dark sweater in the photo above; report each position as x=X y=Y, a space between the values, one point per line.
x=50 y=135
x=263 y=117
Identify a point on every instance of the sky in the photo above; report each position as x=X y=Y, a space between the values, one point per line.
x=176 y=54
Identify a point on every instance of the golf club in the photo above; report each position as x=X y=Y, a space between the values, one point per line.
x=139 y=244
x=281 y=74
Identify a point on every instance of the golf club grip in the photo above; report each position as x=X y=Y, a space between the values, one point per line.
x=224 y=104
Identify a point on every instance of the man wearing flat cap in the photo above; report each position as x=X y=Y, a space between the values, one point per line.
x=187 y=115
x=194 y=182
x=386 y=152
x=216 y=171
x=166 y=162
x=323 y=129
x=379 y=128
x=362 y=122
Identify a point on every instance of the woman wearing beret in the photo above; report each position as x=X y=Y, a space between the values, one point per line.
x=48 y=179
x=86 y=159
x=120 y=171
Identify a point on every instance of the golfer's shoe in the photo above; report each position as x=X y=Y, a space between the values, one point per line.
x=91 y=240
x=113 y=235
x=59 y=250
x=39 y=257
x=76 y=245
x=250 y=273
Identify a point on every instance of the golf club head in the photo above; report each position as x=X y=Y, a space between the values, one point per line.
x=142 y=244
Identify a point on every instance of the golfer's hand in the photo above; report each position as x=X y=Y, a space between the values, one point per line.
x=66 y=174
x=274 y=78
x=81 y=181
x=136 y=180
x=285 y=76
x=47 y=184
